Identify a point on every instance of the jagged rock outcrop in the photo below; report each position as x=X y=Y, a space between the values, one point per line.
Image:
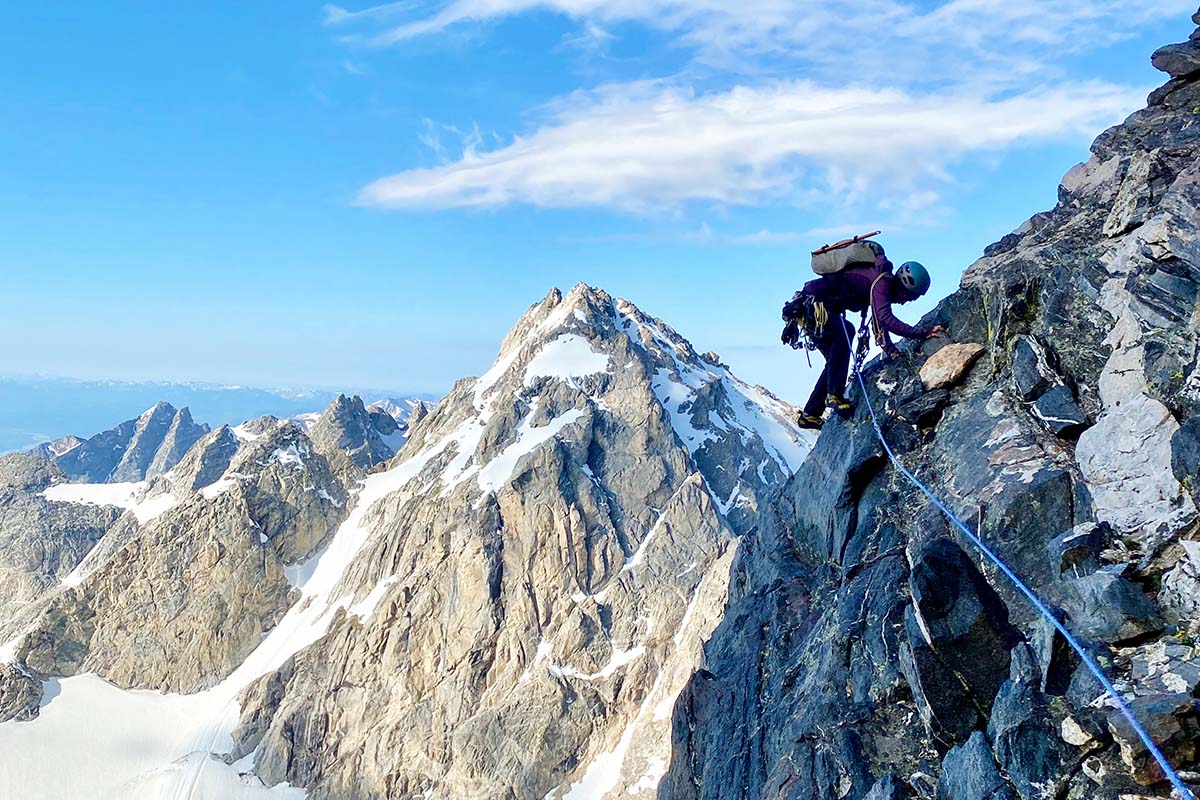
x=290 y=489
x=867 y=650
x=135 y=450
x=291 y=492
x=174 y=599
x=207 y=460
x=353 y=439
x=177 y=609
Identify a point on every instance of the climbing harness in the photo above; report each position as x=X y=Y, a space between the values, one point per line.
x=1168 y=770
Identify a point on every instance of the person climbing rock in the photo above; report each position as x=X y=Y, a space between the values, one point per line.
x=816 y=317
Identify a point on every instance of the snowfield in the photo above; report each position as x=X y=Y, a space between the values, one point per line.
x=120 y=495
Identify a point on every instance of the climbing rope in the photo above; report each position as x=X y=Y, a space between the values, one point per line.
x=1168 y=770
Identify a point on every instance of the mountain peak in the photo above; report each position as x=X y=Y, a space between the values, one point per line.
x=585 y=358
x=161 y=408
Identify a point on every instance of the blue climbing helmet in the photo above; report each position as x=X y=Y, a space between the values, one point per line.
x=914 y=277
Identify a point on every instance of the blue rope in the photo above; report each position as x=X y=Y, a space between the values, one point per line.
x=1045 y=611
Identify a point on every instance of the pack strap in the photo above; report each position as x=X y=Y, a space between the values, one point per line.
x=876 y=328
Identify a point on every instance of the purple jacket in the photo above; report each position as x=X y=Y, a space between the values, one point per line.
x=847 y=291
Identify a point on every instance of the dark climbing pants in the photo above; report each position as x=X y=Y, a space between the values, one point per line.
x=834 y=345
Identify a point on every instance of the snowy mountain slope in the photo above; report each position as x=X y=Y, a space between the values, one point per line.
x=553 y=534
x=508 y=609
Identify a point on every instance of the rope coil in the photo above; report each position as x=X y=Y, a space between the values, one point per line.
x=1169 y=771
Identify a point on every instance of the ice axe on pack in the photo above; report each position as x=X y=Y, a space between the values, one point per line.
x=846 y=242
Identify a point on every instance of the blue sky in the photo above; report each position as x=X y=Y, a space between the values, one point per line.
x=291 y=194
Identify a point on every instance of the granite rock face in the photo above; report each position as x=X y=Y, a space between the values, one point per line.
x=176 y=609
x=48 y=451
x=41 y=541
x=867 y=647
x=176 y=592
x=20 y=695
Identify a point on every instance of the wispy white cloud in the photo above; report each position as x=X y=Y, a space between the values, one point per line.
x=896 y=94
x=869 y=37
x=650 y=148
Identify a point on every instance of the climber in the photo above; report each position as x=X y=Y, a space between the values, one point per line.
x=816 y=319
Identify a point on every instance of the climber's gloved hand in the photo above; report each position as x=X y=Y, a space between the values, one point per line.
x=936 y=330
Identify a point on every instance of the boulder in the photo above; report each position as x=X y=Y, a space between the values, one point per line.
x=1078 y=550
x=1173 y=722
x=1185 y=455
x=1059 y=412
x=1031 y=369
x=1165 y=667
x=888 y=788
x=1178 y=60
x=959 y=638
x=949 y=365
x=1108 y=608
x=926 y=408
x=1021 y=732
x=1181 y=586
x=969 y=773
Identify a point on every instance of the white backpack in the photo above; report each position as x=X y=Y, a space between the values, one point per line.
x=846 y=253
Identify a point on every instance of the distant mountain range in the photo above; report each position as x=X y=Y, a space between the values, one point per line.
x=36 y=410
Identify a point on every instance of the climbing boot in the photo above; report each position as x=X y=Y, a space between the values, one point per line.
x=809 y=422
x=840 y=405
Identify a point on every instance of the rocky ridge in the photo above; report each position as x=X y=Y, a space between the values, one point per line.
x=868 y=652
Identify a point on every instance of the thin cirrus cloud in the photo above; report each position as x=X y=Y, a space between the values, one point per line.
x=643 y=148
x=870 y=34
x=930 y=86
